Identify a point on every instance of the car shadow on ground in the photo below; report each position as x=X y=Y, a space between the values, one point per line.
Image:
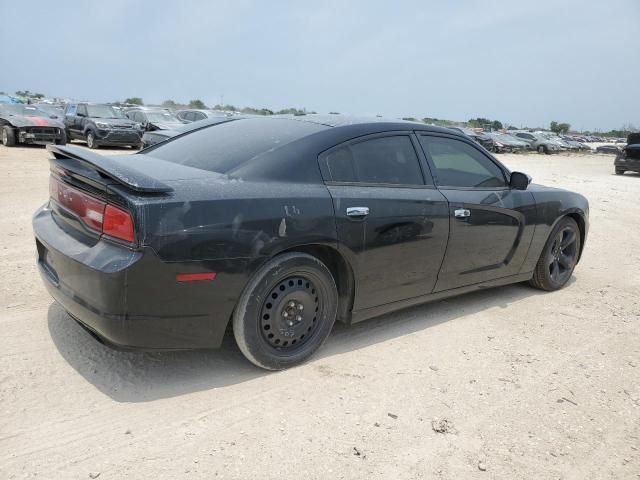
x=147 y=376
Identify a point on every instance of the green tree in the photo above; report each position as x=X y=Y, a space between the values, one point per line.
x=197 y=103
x=169 y=104
x=134 y=101
x=334 y=113
x=559 y=127
x=496 y=125
x=292 y=111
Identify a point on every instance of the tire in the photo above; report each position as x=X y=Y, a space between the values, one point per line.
x=8 y=136
x=556 y=263
x=620 y=171
x=543 y=149
x=63 y=138
x=91 y=140
x=286 y=312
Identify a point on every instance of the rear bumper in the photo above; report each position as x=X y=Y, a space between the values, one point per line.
x=629 y=164
x=131 y=298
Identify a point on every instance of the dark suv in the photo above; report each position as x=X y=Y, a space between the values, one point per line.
x=628 y=159
x=101 y=124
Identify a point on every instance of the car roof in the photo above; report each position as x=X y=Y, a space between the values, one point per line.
x=352 y=120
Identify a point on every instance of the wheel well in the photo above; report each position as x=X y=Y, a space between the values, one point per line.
x=342 y=275
x=581 y=225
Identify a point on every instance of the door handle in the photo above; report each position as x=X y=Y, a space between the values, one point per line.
x=357 y=211
x=462 y=213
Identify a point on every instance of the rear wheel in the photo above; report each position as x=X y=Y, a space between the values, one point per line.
x=8 y=136
x=542 y=149
x=559 y=257
x=286 y=311
x=91 y=140
x=620 y=171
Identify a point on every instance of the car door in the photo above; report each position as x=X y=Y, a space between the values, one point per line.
x=70 y=118
x=80 y=120
x=392 y=223
x=491 y=225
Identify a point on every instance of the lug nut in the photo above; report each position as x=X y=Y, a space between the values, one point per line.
x=300 y=307
x=285 y=314
x=298 y=318
x=292 y=304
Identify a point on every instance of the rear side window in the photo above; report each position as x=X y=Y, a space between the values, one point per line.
x=225 y=146
x=458 y=164
x=383 y=160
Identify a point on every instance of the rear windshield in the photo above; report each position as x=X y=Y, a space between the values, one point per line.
x=223 y=147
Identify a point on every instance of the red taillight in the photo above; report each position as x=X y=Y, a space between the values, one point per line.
x=95 y=214
x=118 y=223
x=89 y=209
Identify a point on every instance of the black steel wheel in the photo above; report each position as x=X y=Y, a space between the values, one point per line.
x=286 y=312
x=559 y=257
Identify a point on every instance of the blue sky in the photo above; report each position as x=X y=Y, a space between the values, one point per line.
x=525 y=63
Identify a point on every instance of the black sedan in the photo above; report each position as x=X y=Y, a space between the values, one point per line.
x=282 y=226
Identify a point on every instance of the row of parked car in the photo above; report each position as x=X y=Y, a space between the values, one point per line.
x=100 y=124
x=97 y=124
x=515 y=141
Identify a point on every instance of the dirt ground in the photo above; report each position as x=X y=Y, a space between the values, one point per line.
x=505 y=383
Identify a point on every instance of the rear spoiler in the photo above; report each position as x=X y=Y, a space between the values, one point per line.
x=111 y=168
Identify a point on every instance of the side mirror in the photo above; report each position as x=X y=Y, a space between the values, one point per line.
x=519 y=181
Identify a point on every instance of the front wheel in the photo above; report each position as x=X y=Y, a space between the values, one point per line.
x=8 y=136
x=542 y=149
x=559 y=257
x=286 y=312
x=63 y=138
x=91 y=140
x=620 y=171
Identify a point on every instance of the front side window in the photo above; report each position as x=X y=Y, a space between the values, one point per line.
x=458 y=164
x=383 y=160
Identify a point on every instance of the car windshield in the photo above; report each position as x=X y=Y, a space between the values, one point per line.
x=162 y=117
x=103 y=111
x=225 y=146
x=506 y=137
x=25 y=110
x=50 y=109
